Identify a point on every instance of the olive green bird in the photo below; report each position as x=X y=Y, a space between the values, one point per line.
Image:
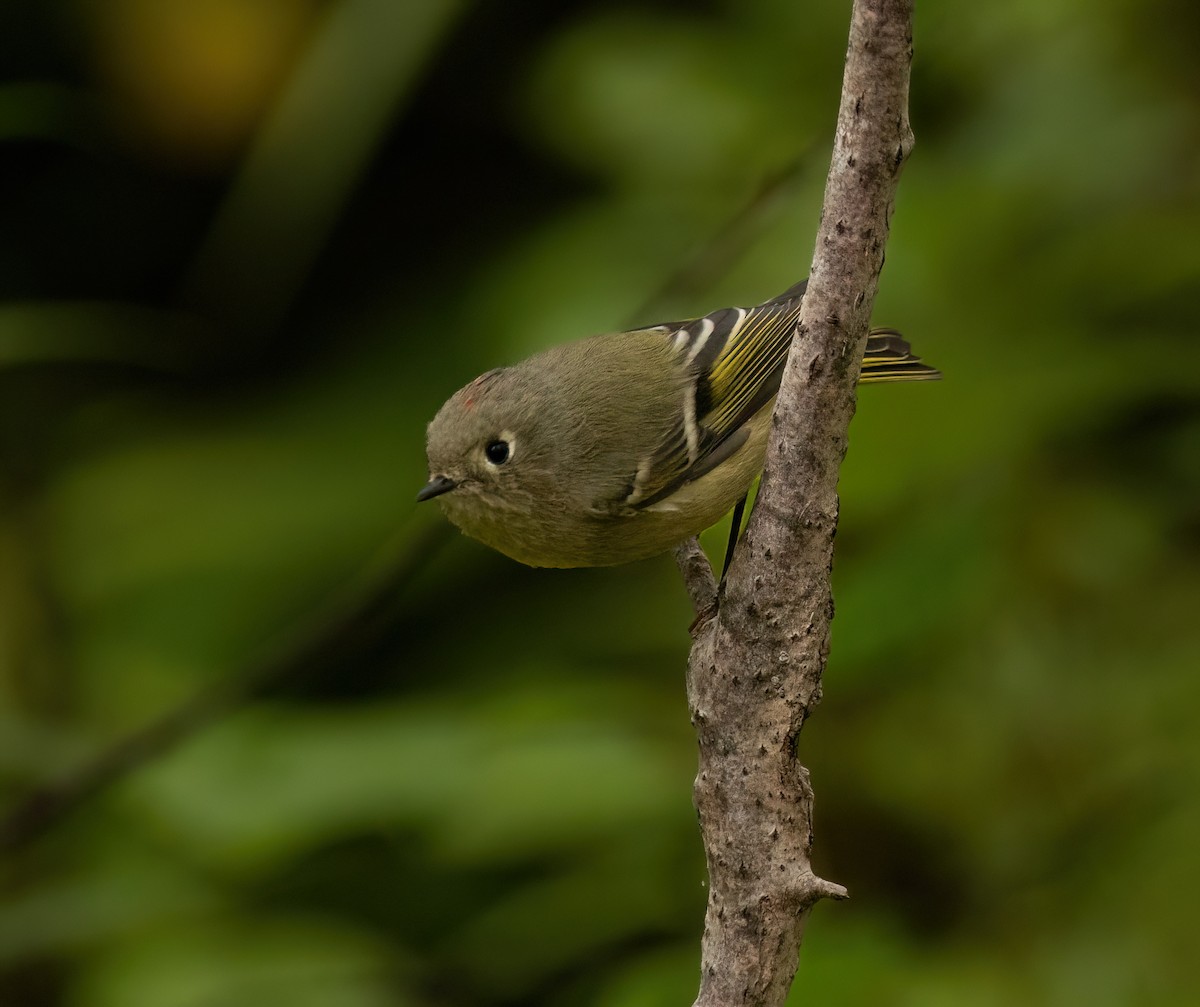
x=620 y=446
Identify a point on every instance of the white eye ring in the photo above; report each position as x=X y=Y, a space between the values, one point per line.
x=499 y=450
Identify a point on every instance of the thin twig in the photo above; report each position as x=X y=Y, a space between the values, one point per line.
x=755 y=670
x=698 y=576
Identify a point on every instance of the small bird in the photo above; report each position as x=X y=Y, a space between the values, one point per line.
x=620 y=446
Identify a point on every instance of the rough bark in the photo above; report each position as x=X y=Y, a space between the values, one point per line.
x=755 y=669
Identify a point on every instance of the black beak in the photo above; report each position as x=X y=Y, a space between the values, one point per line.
x=435 y=488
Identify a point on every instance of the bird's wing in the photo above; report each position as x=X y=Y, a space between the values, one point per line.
x=734 y=360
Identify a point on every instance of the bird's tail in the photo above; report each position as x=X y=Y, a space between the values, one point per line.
x=888 y=357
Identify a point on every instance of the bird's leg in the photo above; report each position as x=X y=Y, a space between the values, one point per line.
x=735 y=529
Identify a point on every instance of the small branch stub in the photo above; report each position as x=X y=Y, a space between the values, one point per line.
x=697 y=578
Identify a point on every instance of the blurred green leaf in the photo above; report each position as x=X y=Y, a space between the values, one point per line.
x=307 y=963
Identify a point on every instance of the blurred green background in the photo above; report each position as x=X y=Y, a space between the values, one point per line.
x=247 y=247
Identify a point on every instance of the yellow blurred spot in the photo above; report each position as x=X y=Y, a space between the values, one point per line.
x=191 y=78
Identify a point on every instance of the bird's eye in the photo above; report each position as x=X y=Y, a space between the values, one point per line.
x=497 y=452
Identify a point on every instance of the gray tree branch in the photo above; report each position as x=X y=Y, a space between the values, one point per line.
x=755 y=669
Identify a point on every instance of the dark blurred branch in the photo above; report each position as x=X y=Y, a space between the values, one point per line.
x=716 y=256
x=353 y=619
x=755 y=669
